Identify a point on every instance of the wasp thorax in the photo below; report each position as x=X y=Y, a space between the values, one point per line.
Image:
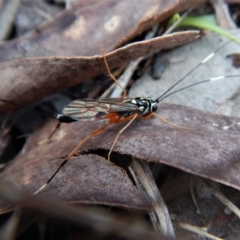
x=145 y=105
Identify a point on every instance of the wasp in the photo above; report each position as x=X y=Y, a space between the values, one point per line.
x=118 y=110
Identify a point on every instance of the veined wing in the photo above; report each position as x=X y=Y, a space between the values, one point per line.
x=83 y=109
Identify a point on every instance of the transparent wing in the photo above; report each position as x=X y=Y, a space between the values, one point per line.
x=85 y=109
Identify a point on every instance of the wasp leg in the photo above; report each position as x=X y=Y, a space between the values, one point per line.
x=110 y=74
x=132 y=117
x=172 y=124
x=48 y=139
x=74 y=151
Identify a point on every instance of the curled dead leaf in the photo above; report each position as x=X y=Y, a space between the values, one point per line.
x=30 y=79
x=73 y=32
x=202 y=151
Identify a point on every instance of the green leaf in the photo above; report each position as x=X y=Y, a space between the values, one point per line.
x=173 y=19
x=207 y=22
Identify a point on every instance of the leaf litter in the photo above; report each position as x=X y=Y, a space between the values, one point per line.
x=64 y=139
x=27 y=80
x=203 y=152
x=73 y=31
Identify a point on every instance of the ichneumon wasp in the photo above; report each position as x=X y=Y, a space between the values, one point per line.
x=117 y=110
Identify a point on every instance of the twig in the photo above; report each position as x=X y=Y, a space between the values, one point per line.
x=222 y=198
x=159 y=215
x=198 y=231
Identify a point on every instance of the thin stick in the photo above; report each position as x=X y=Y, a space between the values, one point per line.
x=145 y=182
x=198 y=231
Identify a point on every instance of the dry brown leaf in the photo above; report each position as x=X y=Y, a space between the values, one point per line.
x=26 y=80
x=86 y=179
x=212 y=151
x=73 y=32
x=31 y=15
x=96 y=221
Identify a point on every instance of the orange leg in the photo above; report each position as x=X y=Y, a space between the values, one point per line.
x=166 y=121
x=96 y=132
x=148 y=116
x=170 y=123
x=110 y=74
x=113 y=118
x=132 y=117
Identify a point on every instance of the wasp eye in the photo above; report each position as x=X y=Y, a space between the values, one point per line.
x=154 y=108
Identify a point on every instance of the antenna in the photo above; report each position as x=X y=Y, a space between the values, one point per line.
x=197 y=83
x=197 y=66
